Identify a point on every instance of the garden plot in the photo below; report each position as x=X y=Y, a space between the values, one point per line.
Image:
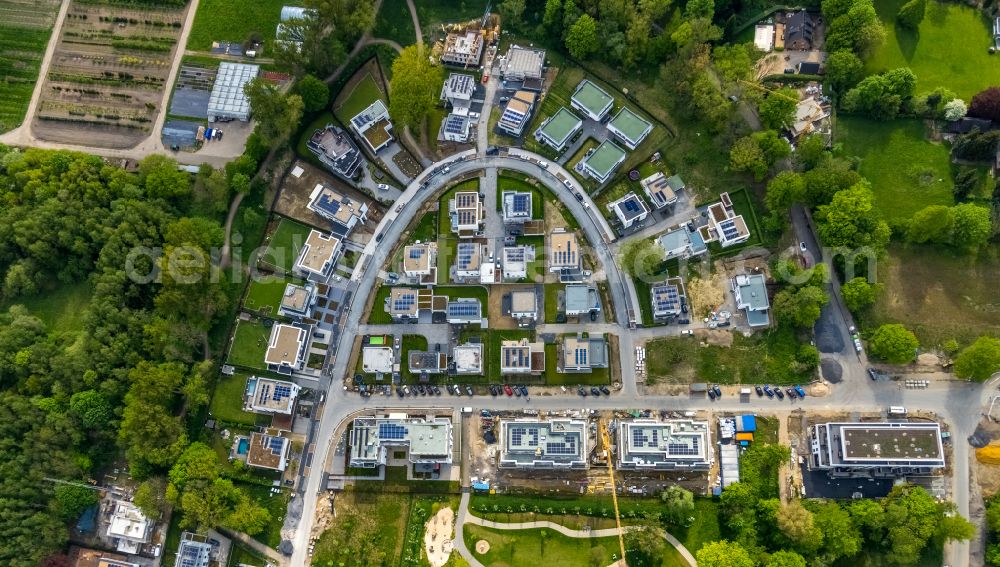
x=192 y=91
x=25 y=26
x=107 y=76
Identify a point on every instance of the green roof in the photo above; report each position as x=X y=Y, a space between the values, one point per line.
x=675 y=182
x=630 y=124
x=605 y=158
x=561 y=125
x=591 y=97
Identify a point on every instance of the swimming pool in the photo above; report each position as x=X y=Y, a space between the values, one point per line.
x=244 y=447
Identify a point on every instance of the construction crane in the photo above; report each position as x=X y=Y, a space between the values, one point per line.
x=773 y=92
x=606 y=441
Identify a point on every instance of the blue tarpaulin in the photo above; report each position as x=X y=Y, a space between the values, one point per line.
x=746 y=423
x=481 y=485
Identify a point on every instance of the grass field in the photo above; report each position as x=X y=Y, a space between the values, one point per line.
x=25 y=29
x=378 y=316
x=763 y=357
x=249 y=345
x=229 y=20
x=285 y=244
x=276 y=504
x=264 y=295
x=433 y=12
x=949 y=50
x=227 y=401
x=938 y=295
x=907 y=172
x=526 y=548
x=365 y=92
x=62 y=309
x=393 y=22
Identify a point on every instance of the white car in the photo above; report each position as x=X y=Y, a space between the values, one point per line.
x=383 y=187
x=802 y=247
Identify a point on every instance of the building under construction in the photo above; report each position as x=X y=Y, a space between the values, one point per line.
x=464 y=43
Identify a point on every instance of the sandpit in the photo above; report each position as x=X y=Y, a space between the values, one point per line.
x=482 y=547
x=437 y=536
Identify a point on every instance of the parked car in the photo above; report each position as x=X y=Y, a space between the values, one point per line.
x=768 y=391
x=579 y=196
x=779 y=393
x=873 y=373
x=524 y=390
x=517 y=391
x=857 y=346
x=468 y=390
x=437 y=391
x=760 y=391
x=396 y=342
x=420 y=389
x=582 y=391
x=802 y=247
x=399 y=391
x=383 y=187
x=605 y=391
x=717 y=390
x=507 y=390
x=595 y=391
x=800 y=391
x=791 y=393
x=711 y=394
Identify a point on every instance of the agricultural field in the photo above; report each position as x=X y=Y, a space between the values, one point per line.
x=934 y=52
x=907 y=172
x=107 y=76
x=25 y=27
x=230 y=20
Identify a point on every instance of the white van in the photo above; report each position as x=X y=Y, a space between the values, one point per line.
x=543 y=164
x=898 y=410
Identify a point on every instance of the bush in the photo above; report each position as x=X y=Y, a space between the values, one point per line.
x=894 y=343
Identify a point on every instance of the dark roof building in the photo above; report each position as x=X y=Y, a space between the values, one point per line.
x=798 y=31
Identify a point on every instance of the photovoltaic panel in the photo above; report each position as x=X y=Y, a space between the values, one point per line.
x=391 y=431
x=276 y=444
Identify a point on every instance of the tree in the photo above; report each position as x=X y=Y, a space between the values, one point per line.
x=641 y=257
x=774 y=146
x=747 y=155
x=92 y=408
x=966 y=181
x=778 y=109
x=856 y=26
x=893 y=343
x=828 y=178
x=785 y=189
x=841 y=537
x=931 y=224
x=858 y=294
x=678 y=505
x=512 y=12
x=986 y=104
x=811 y=151
x=785 y=558
x=733 y=62
x=911 y=14
x=415 y=84
x=800 y=307
x=699 y=9
x=581 y=39
x=314 y=92
x=162 y=179
x=954 y=109
x=552 y=19
x=850 y=220
x=979 y=361
x=973 y=227
x=912 y=520
x=844 y=69
x=796 y=524
x=869 y=516
x=278 y=114
x=71 y=500
x=881 y=96
x=150 y=496
x=723 y=553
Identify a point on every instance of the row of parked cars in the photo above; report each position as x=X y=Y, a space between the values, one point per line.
x=432 y=390
x=792 y=392
x=594 y=391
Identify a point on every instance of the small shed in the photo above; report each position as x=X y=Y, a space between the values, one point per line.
x=744 y=436
x=746 y=423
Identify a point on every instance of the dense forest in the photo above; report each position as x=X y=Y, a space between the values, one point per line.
x=119 y=378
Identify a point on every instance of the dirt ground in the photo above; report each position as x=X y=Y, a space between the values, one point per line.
x=495 y=307
x=715 y=337
x=705 y=294
x=294 y=197
x=482 y=547
x=438 y=533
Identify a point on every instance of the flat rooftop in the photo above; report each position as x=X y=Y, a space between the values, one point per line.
x=592 y=97
x=296 y=297
x=268 y=395
x=377 y=359
x=630 y=206
x=564 y=251
x=605 y=158
x=285 y=344
x=227 y=96
x=523 y=301
x=889 y=441
x=318 y=251
x=630 y=124
x=524 y=62
x=657 y=444
x=534 y=443
x=426 y=440
x=267 y=451
x=561 y=125
x=468 y=358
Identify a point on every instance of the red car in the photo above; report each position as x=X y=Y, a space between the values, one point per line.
x=507 y=390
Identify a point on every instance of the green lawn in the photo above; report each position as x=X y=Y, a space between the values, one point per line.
x=285 y=244
x=434 y=12
x=378 y=316
x=276 y=504
x=588 y=183
x=906 y=171
x=762 y=357
x=393 y=22
x=949 y=50
x=229 y=20
x=365 y=92
x=552 y=301
x=62 y=309
x=249 y=345
x=265 y=293
x=227 y=401
x=425 y=229
x=465 y=291
x=526 y=548
x=411 y=342
x=396 y=483
x=705 y=528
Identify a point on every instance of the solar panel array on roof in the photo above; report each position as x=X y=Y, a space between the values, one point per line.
x=567 y=256
x=514 y=254
x=276 y=444
x=729 y=229
x=522 y=203
x=466 y=253
x=465 y=200
x=192 y=556
x=281 y=392
x=416 y=253
x=666 y=297
x=404 y=302
x=631 y=206
x=391 y=431
x=517 y=436
x=581 y=357
x=455 y=124
x=463 y=309
x=684 y=448
x=565 y=447
x=513 y=116
x=516 y=357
